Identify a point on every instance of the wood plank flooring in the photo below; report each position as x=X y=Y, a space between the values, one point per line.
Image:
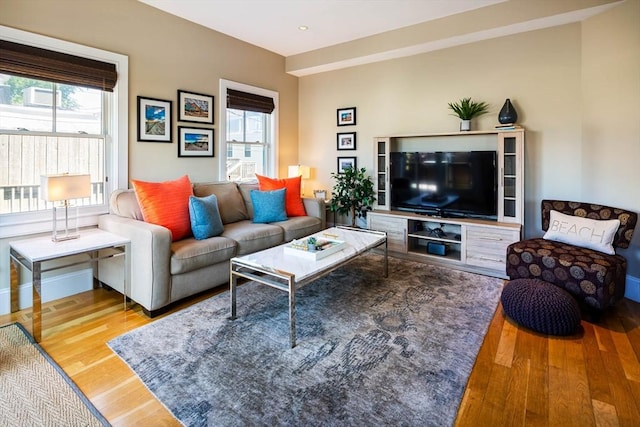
x=520 y=378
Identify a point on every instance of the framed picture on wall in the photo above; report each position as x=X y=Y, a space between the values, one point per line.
x=346 y=141
x=195 y=142
x=345 y=163
x=346 y=116
x=154 y=119
x=195 y=107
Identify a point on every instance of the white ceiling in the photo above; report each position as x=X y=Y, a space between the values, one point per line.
x=347 y=33
x=273 y=24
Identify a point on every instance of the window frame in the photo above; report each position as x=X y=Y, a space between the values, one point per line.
x=116 y=138
x=272 y=157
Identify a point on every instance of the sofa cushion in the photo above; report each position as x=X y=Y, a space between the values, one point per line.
x=293 y=201
x=590 y=276
x=268 y=206
x=166 y=204
x=584 y=232
x=245 y=190
x=205 y=217
x=190 y=254
x=252 y=237
x=230 y=201
x=299 y=226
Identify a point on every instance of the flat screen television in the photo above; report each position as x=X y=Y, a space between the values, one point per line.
x=448 y=184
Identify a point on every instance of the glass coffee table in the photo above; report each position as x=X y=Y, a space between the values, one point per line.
x=278 y=268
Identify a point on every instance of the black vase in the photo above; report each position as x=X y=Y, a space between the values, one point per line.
x=507 y=114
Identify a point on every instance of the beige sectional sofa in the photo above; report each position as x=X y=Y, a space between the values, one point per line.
x=163 y=271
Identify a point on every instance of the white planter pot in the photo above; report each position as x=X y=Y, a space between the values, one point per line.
x=465 y=125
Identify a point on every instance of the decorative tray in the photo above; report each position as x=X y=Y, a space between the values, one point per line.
x=327 y=247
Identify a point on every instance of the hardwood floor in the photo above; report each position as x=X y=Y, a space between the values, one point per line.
x=520 y=378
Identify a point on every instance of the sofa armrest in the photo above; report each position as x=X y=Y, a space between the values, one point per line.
x=150 y=260
x=316 y=207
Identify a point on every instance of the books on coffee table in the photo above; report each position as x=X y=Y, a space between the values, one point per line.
x=325 y=247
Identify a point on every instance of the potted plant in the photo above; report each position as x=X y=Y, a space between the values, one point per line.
x=466 y=109
x=352 y=194
x=311 y=244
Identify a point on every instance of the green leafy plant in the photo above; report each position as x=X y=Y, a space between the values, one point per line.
x=466 y=109
x=352 y=194
x=312 y=241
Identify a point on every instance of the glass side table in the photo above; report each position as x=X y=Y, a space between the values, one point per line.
x=32 y=253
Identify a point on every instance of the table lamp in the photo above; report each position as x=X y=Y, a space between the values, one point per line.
x=62 y=188
x=302 y=171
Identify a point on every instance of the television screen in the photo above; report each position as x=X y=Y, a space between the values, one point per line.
x=445 y=183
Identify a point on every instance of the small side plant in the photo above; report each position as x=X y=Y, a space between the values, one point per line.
x=311 y=243
x=466 y=109
x=352 y=194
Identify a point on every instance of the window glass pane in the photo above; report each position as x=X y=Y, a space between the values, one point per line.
x=248 y=143
x=29 y=156
x=31 y=146
x=80 y=110
x=25 y=104
x=235 y=125
x=241 y=168
x=254 y=124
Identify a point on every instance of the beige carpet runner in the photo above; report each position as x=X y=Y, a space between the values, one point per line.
x=34 y=391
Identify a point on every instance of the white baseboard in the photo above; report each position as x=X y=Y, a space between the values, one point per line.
x=632 y=290
x=59 y=286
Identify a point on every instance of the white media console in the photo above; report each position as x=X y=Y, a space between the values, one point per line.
x=470 y=244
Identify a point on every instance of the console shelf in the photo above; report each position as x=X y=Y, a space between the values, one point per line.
x=479 y=246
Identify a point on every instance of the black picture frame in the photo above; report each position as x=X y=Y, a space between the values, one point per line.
x=346 y=116
x=195 y=142
x=346 y=141
x=345 y=162
x=155 y=118
x=195 y=107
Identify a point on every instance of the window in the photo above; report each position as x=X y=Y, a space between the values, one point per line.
x=38 y=139
x=248 y=131
x=51 y=125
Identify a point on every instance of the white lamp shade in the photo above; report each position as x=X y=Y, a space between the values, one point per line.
x=299 y=170
x=54 y=188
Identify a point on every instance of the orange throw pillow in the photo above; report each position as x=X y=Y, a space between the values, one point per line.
x=166 y=204
x=293 y=201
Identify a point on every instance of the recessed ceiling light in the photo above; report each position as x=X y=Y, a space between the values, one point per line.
x=303 y=28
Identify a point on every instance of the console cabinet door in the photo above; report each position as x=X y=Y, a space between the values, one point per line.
x=511 y=184
x=381 y=163
x=396 y=229
x=486 y=247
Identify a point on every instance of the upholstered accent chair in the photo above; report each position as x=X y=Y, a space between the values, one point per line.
x=596 y=279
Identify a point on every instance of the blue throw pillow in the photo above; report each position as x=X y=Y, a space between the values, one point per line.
x=268 y=206
x=205 y=217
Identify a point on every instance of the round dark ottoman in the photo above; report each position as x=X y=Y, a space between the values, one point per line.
x=541 y=306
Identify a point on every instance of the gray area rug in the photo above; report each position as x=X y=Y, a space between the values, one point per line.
x=34 y=390
x=371 y=351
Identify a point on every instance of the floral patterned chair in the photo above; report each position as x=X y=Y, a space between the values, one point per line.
x=594 y=278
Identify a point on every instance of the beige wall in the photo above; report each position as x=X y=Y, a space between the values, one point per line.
x=537 y=70
x=166 y=53
x=575 y=87
x=610 y=107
